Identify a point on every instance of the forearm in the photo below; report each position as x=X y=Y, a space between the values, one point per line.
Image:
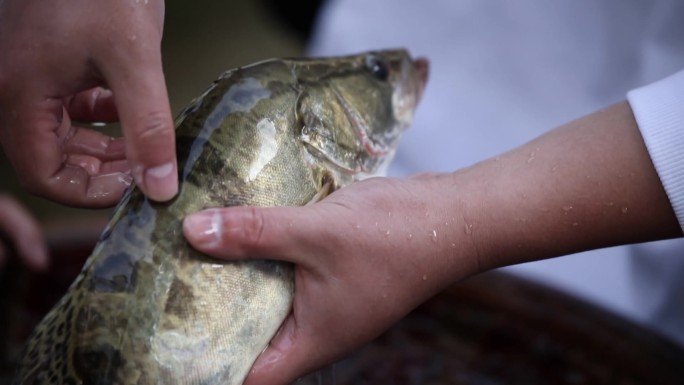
x=586 y=185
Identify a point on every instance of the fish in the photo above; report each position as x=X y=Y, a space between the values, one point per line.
x=148 y=309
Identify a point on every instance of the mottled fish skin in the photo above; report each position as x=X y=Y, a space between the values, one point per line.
x=148 y=309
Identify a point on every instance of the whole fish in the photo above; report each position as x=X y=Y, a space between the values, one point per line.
x=147 y=308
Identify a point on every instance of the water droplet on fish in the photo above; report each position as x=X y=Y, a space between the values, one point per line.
x=424 y=277
x=624 y=210
x=468 y=230
x=409 y=236
x=389 y=214
x=387 y=233
x=530 y=158
x=566 y=209
x=610 y=204
x=453 y=245
x=433 y=235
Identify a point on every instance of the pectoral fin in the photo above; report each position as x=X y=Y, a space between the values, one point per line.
x=327 y=188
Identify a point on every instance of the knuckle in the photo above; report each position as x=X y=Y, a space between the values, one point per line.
x=152 y=126
x=254 y=227
x=151 y=139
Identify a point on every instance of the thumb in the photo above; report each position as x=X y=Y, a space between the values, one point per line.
x=248 y=232
x=141 y=98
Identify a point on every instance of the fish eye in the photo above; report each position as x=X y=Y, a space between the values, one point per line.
x=377 y=67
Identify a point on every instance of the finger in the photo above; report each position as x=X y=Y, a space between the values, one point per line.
x=85 y=141
x=278 y=363
x=72 y=185
x=250 y=232
x=138 y=84
x=105 y=190
x=24 y=233
x=94 y=166
x=33 y=140
x=292 y=353
x=34 y=145
x=93 y=105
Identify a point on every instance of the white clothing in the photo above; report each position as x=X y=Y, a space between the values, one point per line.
x=502 y=74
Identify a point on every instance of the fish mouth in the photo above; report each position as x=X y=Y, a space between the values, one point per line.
x=422 y=66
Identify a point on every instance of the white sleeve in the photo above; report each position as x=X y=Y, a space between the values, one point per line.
x=659 y=112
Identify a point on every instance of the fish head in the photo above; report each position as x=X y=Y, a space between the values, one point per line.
x=355 y=108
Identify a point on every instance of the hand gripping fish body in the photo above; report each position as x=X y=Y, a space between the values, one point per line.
x=147 y=308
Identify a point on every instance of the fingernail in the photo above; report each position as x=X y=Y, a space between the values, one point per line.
x=204 y=228
x=125 y=179
x=161 y=182
x=266 y=360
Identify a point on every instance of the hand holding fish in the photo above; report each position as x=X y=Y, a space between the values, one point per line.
x=23 y=232
x=365 y=256
x=55 y=58
x=372 y=251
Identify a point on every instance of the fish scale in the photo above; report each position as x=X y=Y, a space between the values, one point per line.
x=147 y=309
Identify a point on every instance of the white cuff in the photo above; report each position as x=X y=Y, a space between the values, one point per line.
x=659 y=112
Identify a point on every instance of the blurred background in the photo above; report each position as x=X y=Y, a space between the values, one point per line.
x=495 y=329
